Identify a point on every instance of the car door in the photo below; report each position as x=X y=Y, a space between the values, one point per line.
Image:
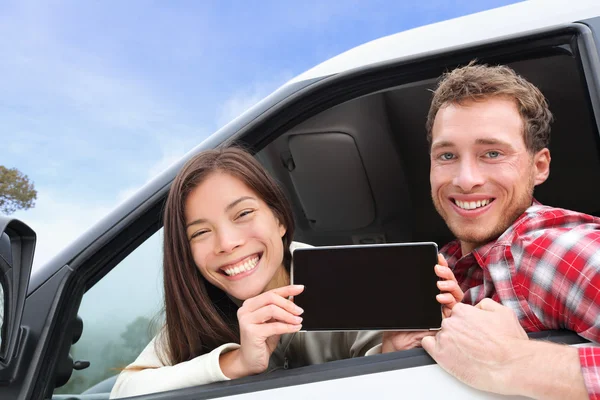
x=81 y=273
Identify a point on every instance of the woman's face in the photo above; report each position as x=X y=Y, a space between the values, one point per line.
x=235 y=238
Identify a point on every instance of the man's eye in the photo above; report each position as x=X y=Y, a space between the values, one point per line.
x=446 y=156
x=493 y=154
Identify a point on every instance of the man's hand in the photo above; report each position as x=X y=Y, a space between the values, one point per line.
x=476 y=344
x=451 y=291
x=450 y=296
x=486 y=347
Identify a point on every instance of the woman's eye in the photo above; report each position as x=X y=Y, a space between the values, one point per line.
x=493 y=154
x=197 y=234
x=244 y=213
x=446 y=156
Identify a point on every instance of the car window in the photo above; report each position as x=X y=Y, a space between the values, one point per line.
x=121 y=313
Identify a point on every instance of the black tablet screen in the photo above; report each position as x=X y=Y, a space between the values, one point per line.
x=391 y=286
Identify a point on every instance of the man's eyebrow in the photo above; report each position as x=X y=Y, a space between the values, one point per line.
x=442 y=144
x=493 y=142
x=481 y=141
x=229 y=207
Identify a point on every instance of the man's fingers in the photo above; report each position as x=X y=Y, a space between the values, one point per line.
x=442 y=261
x=489 y=305
x=446 y=299
x=428 y=343
x=446 y=312
x=452 y=288
x=444 y=272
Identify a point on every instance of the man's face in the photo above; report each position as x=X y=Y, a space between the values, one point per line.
x=482 y=176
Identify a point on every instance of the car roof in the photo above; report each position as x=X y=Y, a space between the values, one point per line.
x=467 y=30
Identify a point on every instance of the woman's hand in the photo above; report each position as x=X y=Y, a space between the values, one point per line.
x=451 y=291
x=262 y=319
x=403 y=340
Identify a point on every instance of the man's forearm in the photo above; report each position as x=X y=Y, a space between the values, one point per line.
x=546 y=371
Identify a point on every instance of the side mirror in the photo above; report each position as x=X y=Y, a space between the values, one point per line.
x=17 y=245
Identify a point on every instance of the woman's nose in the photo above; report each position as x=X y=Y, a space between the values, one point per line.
x=228 y=240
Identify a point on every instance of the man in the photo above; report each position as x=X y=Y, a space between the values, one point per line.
x=489 y=131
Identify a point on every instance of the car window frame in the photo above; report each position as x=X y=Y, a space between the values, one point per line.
x=87 y=264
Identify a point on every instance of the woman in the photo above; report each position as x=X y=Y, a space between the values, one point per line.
x=228 y=232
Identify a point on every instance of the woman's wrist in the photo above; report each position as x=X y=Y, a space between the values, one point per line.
x=231 y=364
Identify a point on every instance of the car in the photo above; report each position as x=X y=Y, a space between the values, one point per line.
x=347 y=141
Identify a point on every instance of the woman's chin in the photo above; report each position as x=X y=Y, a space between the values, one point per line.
x=245 y=294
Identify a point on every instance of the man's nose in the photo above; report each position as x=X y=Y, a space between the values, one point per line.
x=469 y=175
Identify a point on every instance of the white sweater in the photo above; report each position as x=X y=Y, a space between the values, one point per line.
x=302 y=348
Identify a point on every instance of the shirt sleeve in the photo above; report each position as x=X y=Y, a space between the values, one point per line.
x=374 y=350
x=559 y=273
x=148 y=374
x=365 y=343
x=589 y=358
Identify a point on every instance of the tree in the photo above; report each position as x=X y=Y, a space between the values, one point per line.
x=16 y=191
x=137 y=335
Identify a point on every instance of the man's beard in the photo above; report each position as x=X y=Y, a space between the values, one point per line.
x=476 y=236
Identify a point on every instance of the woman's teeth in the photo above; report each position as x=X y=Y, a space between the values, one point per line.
x=247 y=265
x=471 y=205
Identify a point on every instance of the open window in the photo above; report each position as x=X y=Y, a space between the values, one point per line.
x=367 y=127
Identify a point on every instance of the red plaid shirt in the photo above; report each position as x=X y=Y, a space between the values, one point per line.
x=546 y=267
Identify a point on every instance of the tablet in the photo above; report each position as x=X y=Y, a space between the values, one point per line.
x=368 y=287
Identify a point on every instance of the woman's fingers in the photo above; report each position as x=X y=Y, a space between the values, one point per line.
x=276 y=328
x=271 y=312
x=276 y=297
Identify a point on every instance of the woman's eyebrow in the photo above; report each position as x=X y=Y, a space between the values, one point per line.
x=236 y=202
x=229 y=207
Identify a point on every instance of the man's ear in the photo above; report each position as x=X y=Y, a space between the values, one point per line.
x=541 y=163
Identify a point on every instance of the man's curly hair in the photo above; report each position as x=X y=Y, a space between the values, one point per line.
x=479 y=82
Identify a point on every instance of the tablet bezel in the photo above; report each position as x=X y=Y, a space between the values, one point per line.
x=368 y=247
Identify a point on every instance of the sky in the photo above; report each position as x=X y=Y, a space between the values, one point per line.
x=97 y=97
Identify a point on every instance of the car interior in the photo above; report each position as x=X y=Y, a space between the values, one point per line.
x=359 y=173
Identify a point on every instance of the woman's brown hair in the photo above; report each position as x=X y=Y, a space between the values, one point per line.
x=199 y=316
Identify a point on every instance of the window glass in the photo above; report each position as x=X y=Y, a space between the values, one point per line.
x=121 y=313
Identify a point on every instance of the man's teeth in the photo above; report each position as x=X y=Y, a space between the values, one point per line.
x=243 y=267
x=471 y=205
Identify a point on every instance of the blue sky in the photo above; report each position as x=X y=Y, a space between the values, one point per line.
x=99 y=96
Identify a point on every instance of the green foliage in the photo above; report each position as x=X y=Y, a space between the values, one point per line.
x=16 y=191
